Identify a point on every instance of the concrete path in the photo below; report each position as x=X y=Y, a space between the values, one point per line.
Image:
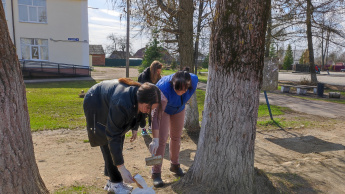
x=313 y=107
x=334 y=78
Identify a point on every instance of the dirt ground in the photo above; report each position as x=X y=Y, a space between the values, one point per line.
x=297 y=160
x=303 y=159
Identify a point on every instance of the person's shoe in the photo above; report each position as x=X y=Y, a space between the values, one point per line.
x=157 y=180
x=149 y=131
x=118 y=188
x=106 y=187
x=126 y=186
x=175 y=168
x=143 y=132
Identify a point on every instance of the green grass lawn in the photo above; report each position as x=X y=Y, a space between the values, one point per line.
x=57 y=105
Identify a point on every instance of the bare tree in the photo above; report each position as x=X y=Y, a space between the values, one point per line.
x=118 y=43
x=224 y=162
x=18 y=168
x=175 y=20
x=298 y=20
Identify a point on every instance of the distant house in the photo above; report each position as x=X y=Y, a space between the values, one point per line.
x=140 y=53
x=49 y=30
x=51 y=37
x=97 y=55
x=166 y=57
x=118 y=55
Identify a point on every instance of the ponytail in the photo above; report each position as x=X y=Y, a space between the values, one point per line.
x=129 y=82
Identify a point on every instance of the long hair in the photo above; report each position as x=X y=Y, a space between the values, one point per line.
x=155 y=77
x=181 y=80
x=129 y=82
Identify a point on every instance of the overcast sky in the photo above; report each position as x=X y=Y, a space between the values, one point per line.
x=103 y=20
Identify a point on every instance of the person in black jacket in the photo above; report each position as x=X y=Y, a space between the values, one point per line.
x=151 y=74
x=111 y=109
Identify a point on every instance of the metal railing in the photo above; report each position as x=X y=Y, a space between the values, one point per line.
x=45 y=68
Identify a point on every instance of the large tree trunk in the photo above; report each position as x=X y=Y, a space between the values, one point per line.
x=310 y=43
x=224 y=162
x=18 y=168
x=185 y=45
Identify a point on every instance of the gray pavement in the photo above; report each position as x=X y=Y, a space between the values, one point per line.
x=312 y=107
x=334 y=78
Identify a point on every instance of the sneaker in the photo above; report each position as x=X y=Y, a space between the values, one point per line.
x=143 y=132
x=118 y=188
x=106 y=187
x=149 y=131
x=126 y=186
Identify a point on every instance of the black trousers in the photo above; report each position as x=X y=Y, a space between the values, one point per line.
x=110 y=169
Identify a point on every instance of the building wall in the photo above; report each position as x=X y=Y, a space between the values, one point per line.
x=65 y=19
x=98 y=60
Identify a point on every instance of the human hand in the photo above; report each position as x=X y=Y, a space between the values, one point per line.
x=125 y=174
x=154 y=146
x=134 y=135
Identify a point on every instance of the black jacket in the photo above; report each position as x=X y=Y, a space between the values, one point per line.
x=114 y=106
x=145 y=76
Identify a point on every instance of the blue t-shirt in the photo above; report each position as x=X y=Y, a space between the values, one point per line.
x=176 y=103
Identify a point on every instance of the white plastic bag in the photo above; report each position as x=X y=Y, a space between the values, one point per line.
x=145 y=189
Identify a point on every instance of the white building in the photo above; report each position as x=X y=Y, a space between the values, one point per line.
x=49 y=30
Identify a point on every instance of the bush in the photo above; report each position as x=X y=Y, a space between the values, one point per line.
x=152 y=52
x=205 y=62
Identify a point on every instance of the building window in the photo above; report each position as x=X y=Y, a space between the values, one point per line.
x=4 y=6
x=32 y=11
x=34 y=49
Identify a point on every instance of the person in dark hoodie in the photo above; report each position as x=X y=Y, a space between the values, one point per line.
x=112 y=108
x=151 y=74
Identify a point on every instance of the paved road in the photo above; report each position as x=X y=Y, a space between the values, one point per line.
x=334 y=78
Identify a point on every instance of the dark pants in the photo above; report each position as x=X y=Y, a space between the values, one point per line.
x=109 y=168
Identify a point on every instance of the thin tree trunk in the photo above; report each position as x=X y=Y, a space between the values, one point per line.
x=310 y=43
x=191 y=123
x=269 y=36
x=224 y=162
x=185 y=44
x=198 y=30
x=18 y=168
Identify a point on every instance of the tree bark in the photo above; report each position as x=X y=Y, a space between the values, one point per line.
x=191 y=120
x=18 y=168
x=185 y=38
x=269 y=36
x=310 y=44
x=185 y=46
x=224 y=162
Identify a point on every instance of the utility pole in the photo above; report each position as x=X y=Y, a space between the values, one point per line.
x=127 y=41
